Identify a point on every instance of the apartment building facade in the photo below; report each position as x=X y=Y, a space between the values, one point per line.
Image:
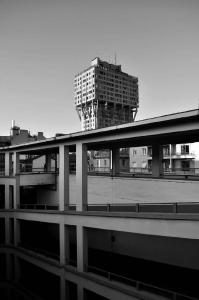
x=176 y=158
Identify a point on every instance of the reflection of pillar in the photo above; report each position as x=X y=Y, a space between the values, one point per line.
x=7 y=231
x=115 y=161
x=67 y=244
x=81 y=176
x=16 y=170
x=82 y=248
x=8 y=267
x=17 y=269
x=63 y=177
x=62 y=285
x=62 y=243
x=157 y=158
x=16 y=232
x=80 y=292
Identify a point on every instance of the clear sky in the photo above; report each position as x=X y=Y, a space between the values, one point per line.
x=44 y=43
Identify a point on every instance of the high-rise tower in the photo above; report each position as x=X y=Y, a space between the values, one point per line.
x=105 y=96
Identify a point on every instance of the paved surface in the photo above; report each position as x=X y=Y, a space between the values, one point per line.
x=135 y=190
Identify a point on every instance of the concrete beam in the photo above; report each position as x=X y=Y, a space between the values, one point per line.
x=155 y=224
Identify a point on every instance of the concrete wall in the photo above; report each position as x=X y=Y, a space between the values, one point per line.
x=37 y=179
x=103 y=189
x=131 y=190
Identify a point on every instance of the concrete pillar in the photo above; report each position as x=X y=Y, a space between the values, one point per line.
x=82 y=248
x=62 y=259
x=48 y=163
x=16 y=166
x=157 y=158
x=115 y=161
x=17 y=192
x=8 y=163
x=16 y=170
x=7 y=196
x=63 y=177
x=16 y=232
x=81 y=176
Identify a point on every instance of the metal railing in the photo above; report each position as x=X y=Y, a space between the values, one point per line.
x=70 y=207
x=37 y=170
x=42 y=206
x=169 y=207
x=138 y=285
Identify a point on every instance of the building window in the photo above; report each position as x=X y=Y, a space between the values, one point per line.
x=185 y=149
x=134 y=152
x=144 y=151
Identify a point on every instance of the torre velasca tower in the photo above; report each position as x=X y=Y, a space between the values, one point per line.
x=105 y=96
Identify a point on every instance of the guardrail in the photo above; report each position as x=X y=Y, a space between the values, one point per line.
x=170 y=208
x=176 y=207
x=70 y=207
x=138 y=285
x=37 y=170
x=42 y=206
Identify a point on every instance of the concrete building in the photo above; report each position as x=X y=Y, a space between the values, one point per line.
x=105 y=96
x=101 y=237
x=177 y=158
x=20 y=136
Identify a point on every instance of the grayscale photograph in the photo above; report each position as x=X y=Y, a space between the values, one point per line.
x=99 y=150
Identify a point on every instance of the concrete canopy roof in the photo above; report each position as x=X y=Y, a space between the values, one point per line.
x=182 y=127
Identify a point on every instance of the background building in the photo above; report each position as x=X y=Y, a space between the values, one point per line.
x=176 y=158
x=105 y=96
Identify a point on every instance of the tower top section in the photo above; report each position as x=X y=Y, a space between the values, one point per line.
x=103 y=64
x=105 y=96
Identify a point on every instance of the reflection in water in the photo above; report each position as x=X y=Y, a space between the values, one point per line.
x=25 y=276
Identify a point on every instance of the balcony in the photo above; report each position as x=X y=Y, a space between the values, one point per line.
x=37 y=176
